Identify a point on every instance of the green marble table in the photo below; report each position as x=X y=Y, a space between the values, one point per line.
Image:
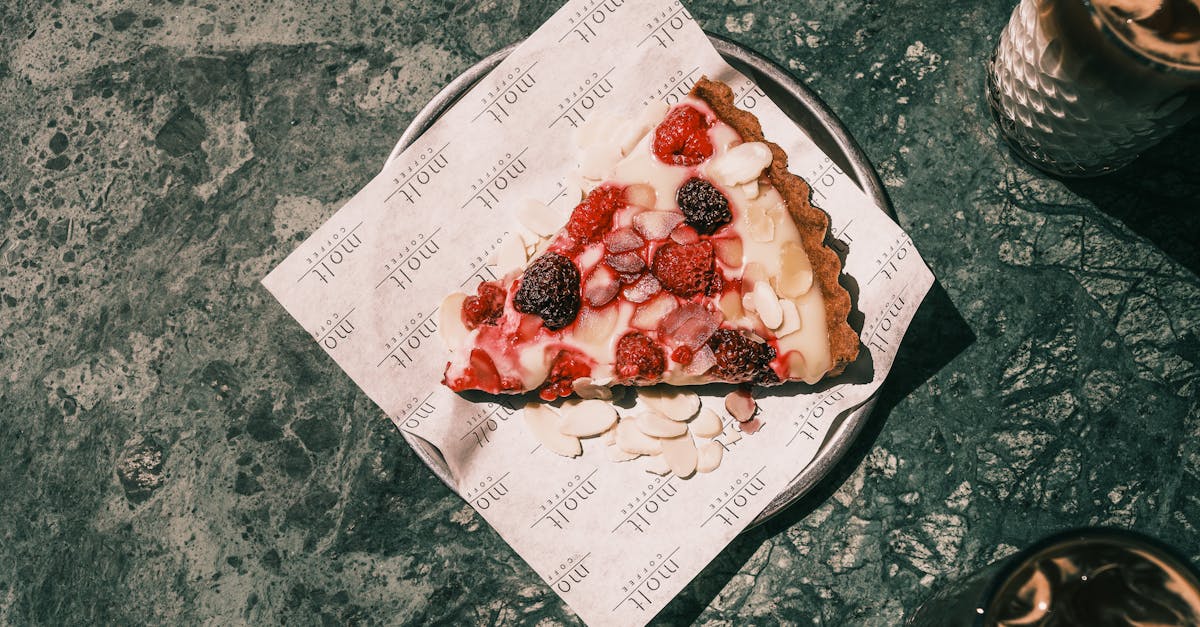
x=174 y=449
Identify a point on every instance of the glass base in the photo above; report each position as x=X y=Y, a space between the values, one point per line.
x=1030 y=152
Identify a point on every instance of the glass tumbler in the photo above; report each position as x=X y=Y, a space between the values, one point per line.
x=1093 y=577
x=1081 y=87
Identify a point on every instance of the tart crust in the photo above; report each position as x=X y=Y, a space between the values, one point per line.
x=812 y=222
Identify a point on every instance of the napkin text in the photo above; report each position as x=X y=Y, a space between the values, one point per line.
x=559 y=507
x=428 y=165
x=406 y=341
x=586 y=20
x=512 y=86
x=408 y=260
x=640 y=513
x=505 y=172
x=649 y=580
x=331 y=253
x=728 y=507
x=577 y=105
x=665 y=26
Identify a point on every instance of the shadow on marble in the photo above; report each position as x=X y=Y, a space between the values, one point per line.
x=1156 y=195
x=937 y=335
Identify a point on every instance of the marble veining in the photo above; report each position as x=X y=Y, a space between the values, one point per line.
x=174 y=449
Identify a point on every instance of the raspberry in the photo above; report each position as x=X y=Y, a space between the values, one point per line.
x=593 y=217
x=564 y=369
x=704 y=207
x=550 y=289
x=486 y=307
x=685 y=269
x=683 y=355
x=481 y=374
x=740 y=358
x=639 y=358
x=682 y=138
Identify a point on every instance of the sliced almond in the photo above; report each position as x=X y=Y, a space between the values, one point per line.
x=540 y=245
x=539 y=218
x=642 y=291
x=534 y=364
x=657 y=465
x=707 y=424
x=753 y=274
x=740 y=404
x=641 y=195
x=586 y=387
x=655 y=225
x=657 y=425
x=600 y=286
x=630 y=262
x=760 y=226
x=731 y=306
x=728 y=250
x=750 y=427
x=680 y=454
x=791 y=318
x=511 y=254
x=654 y=113
x=671 y=402
x=594 y=327
x=795 y=271
x=615 y=454
x=597 y=161
x=702 y=360
x=632 y=440
x=742 y=163
x=596 y=131
x=450 y=322
x=543 y=421
x=797 y=366
x=575 y=188
x=750 y=189
x=586 y=418
x=766 y=303
x=748 y=302
x=708 y=455
x=630 y=133
x=650 y=313
x=623 y=240
x=590 y=256
x=684 y=234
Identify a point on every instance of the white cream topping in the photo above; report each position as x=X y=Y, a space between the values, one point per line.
x=812 y=339
x=762 y=223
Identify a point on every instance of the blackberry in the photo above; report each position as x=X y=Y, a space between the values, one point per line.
x=550 y=288
x=741 y=359
x=704 y=207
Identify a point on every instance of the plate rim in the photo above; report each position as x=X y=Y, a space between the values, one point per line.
x=838 y=441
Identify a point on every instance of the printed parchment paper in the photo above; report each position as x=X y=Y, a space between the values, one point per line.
x=615 y=542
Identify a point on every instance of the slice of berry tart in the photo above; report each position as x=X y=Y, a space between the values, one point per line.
x=695 y=258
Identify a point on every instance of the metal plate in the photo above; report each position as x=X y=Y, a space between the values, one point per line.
x=803 y=106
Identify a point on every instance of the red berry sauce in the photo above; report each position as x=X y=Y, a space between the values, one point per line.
x=484 y=308
x=564 y=370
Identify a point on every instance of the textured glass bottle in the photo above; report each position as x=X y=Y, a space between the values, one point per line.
x=1093 y=576
x=1076 y=95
